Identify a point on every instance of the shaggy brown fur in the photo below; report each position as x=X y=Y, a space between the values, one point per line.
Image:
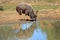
x=27 y=10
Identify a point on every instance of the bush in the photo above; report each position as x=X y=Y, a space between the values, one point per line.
x=1 y=8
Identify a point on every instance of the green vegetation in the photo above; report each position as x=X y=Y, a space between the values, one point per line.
x=35 y=7
x=1 y=8
x=9 y=7
x=53 y=1
x=56 y=26
x=6 y=30
x=53 y=31
x=41 y=4
x=38 y=7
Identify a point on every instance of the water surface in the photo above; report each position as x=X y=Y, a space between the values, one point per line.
x=24 y=31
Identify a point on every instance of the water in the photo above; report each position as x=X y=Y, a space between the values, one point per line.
x=32 y=32
x=26 y=25
x=39 y=30
x=39 y=35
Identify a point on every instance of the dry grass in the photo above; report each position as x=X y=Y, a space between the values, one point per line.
x=13 y=16
x=47 y=10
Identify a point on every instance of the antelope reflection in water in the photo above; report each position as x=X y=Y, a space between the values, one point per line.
x=31 y=31
x=25 y=31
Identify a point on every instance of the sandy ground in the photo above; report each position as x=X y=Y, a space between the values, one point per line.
x=13 y=16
